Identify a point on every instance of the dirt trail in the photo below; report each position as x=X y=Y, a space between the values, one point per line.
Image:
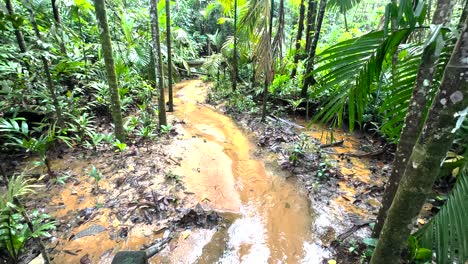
x=274 y=219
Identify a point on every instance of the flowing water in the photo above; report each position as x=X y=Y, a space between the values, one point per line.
x=272 y=217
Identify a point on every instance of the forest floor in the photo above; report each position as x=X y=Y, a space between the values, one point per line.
x=219 y=189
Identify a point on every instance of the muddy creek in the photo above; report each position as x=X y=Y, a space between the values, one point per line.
x=272 y=218
x=267 y=216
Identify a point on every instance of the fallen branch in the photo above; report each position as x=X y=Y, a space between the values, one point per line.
x=353 y=229
x=334 y=144
x=274 y=118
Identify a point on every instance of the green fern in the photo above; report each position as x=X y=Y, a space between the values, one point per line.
x=447 y=232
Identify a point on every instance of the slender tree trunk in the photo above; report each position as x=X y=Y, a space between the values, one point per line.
x=106 y=43
x=430 y=150
x=234 y=59
x=58 y=25
x=345 y=21
x=268 y=68
x=18 y=33
x=309 y=79
x=311 y=22
x=300 y=29
x=45 y=62
x=169 y=55
x=414 y=119
x=158 y=61
x=82 y=36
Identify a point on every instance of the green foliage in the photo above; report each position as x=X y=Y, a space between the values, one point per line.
x=447 y=233
x=121 y=147
x=166 y=129
x=14 y=230
x=96 y=175
x=299 y=149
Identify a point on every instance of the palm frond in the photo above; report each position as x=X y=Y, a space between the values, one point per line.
x=342 y=5
x=355 y=67
x=399 y=91
x=447 y=233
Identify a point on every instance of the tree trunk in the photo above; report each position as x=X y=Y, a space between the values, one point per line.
x=106 y=43
x=300 y=28
x=158 y=61
x=311 y=22
x=268 y=68
x=58 y=25
x=345 y=21
x=414 y=119
x=234 y=58
x=430 y=150
x=169 y=55
x=18 y=33
x=45 y=63
x=309 y=78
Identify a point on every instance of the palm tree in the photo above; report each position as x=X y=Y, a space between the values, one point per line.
x=158 y=61
x=428 y=153
x=106 y=43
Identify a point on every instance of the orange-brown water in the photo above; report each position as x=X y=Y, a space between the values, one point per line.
x=218 y=164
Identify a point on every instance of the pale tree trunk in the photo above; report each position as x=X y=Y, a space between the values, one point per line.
x=158 y=61
x=18 y=33
x=106 y=43
x=414 y=119
x=45 y=63
x=234 y=59
x=300 y=29
x=309 y=78
x=58 y=25
x=169 y=55
x=428 y=153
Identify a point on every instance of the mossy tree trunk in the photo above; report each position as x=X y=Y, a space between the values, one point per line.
x=45 y=63
x=169 y=55
x=18 y=33
x=300 y=29
x=414 y=119
x=106 y=43
x=309 y=78
x=428 y=153
x=158 y=61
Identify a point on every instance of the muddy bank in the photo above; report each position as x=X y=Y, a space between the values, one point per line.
x=343 y=174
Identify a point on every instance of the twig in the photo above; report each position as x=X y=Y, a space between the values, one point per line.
x=334 y=144
x=175 y=161
x=353 y=229
x=272 y=117
x=153 y=250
